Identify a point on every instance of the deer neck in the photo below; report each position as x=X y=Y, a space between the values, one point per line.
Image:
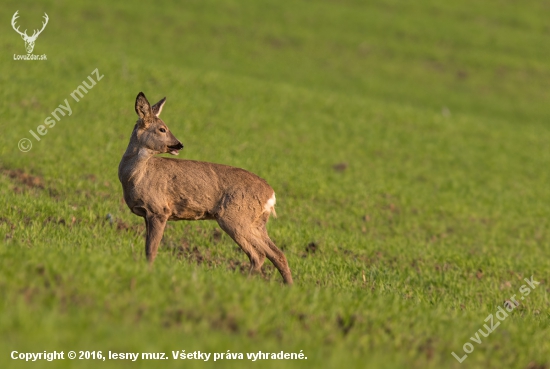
x=133 y=165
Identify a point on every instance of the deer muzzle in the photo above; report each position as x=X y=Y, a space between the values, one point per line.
x=174 y=149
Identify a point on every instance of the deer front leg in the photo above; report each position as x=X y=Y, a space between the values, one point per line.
x=155 y=228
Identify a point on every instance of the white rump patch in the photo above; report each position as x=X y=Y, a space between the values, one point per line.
x=270 y=205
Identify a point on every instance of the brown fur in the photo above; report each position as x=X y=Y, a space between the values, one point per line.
x=161 y=189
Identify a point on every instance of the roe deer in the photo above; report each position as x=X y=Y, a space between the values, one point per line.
x=161 y=189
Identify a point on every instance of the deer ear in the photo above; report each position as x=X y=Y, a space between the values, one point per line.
x=157 y=108
x=143 y=109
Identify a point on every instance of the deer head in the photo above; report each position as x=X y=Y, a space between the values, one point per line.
x=29 y=40
x=151 y=132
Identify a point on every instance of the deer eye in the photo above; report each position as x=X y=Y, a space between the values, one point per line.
x=162 y=130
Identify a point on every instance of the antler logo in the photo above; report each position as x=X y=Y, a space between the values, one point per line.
x=29 y=40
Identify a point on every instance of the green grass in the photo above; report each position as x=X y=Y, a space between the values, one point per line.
x=436 y=115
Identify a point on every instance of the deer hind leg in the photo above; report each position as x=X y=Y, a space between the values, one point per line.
x=273 y=253
x=276 y=256
x=248 y=243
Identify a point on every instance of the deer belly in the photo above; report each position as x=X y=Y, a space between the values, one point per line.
x=184 y=210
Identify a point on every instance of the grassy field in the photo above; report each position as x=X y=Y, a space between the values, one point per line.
x=407 y=142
